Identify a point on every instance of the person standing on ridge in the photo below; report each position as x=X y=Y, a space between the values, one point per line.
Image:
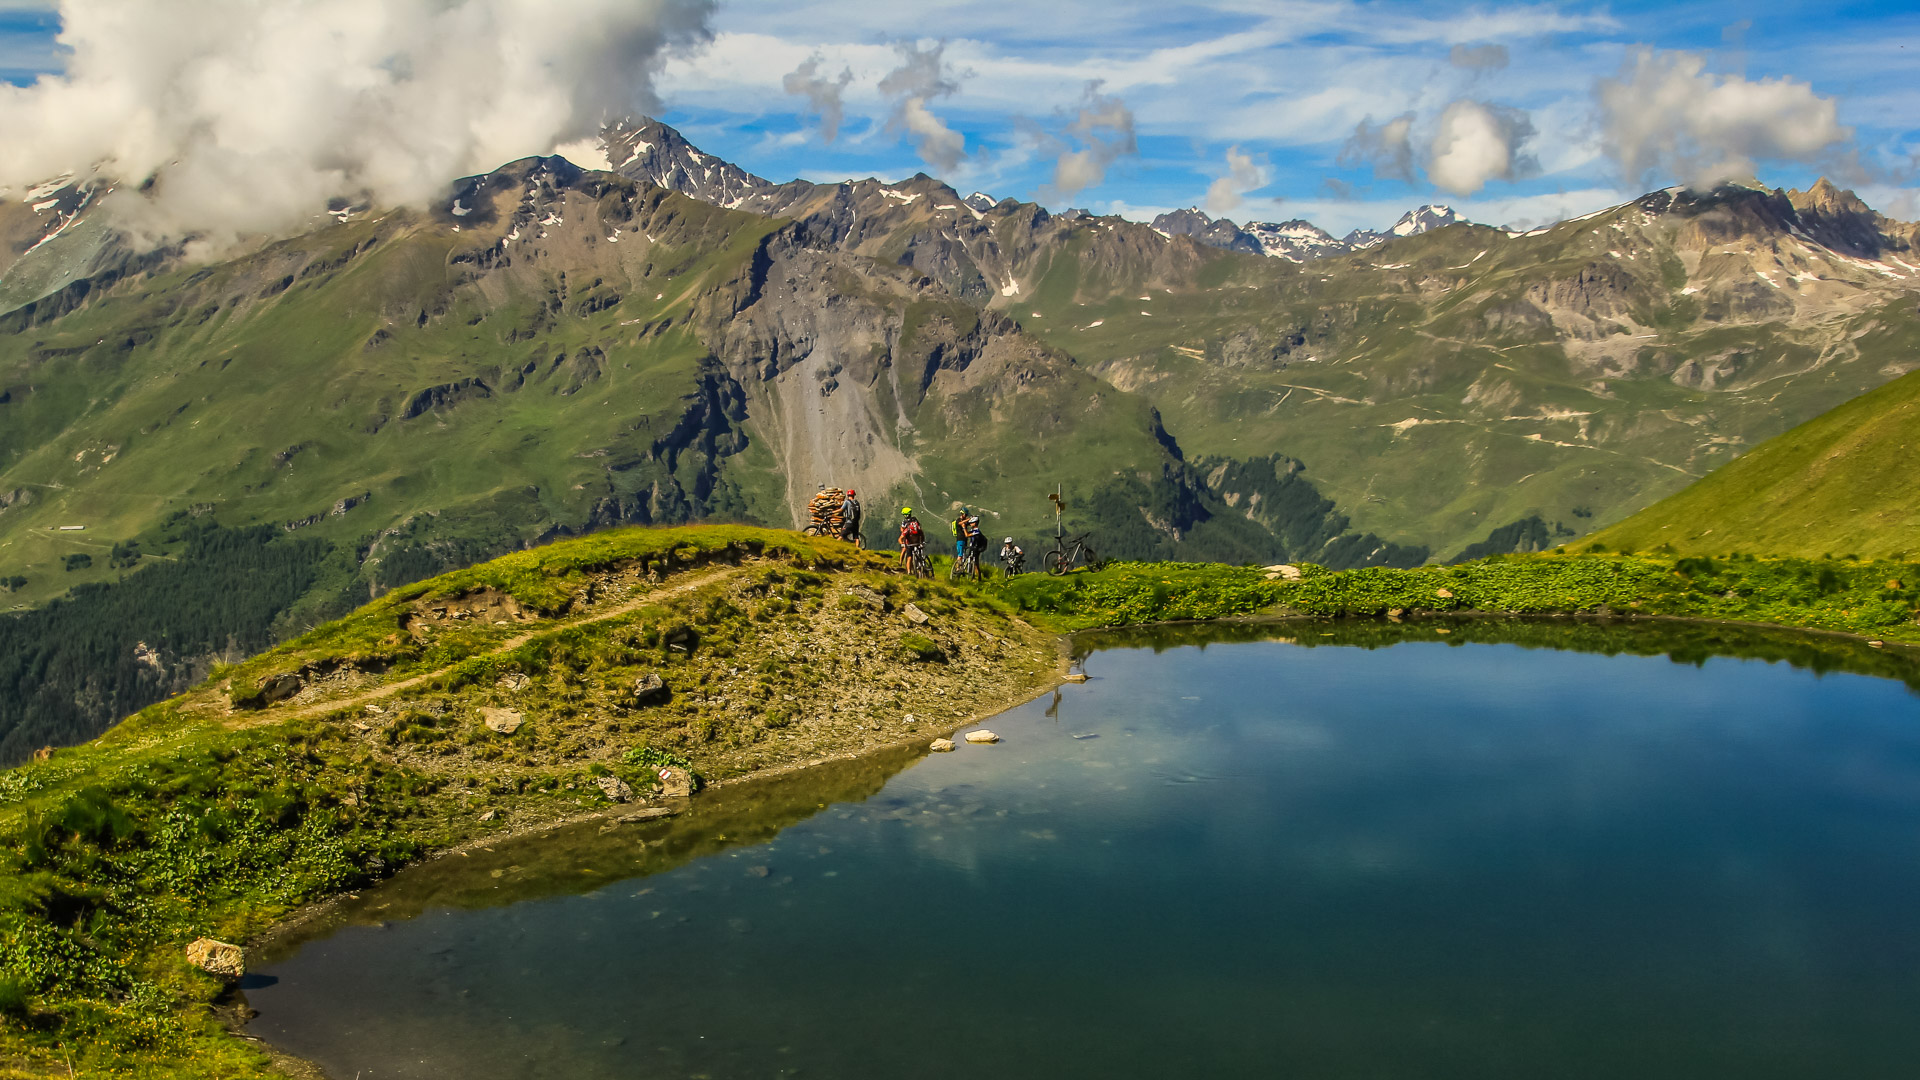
x=911 y=537
x=1012 y=556
x=850 y=519
x=960 y=533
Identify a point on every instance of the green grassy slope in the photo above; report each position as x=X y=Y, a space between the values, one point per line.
x=1841 y=483
x=224 y=391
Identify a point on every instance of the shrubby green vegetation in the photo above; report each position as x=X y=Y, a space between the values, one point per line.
x=1873 y=598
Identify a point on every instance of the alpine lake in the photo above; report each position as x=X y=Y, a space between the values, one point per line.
x=1444 y=849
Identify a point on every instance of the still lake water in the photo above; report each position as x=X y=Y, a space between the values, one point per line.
x=1439 y=858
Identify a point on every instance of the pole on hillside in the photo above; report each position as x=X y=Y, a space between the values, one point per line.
x=1059 y=506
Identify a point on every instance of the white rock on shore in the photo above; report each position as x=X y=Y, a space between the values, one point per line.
x=217 y=957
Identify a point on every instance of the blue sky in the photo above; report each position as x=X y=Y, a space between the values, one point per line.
x=1258 y=103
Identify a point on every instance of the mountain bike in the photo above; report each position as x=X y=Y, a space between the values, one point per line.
x=1070 y=553
x=917 y=564
x=965 y=565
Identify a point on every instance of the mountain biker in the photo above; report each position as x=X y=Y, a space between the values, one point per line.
x=960 y=534
x=976 y=542
x=850 y=518
x=1012 y=555
x=912 y=537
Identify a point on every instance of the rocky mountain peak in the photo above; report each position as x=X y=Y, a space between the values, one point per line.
x=1412 y=223
x=1426 y=219
x=1296 y=241
x=647 y=150
x=1826 y=197
x=1214 y=232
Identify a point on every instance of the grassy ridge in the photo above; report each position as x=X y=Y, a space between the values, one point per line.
x=192 y=819
x=1840 y=483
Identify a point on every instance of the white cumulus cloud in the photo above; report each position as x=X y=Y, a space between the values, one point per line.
x=1244 y=174
x=1665 y=113
x=1477 y=142
x=250 y=116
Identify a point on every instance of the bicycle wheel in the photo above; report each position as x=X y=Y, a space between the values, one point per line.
x=1058 y=562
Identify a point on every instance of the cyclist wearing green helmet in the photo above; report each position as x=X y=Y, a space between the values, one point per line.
x=912 y=536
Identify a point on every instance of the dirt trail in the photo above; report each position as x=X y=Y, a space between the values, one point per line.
x=272 y=714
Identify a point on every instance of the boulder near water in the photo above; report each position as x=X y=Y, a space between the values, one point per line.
x=982 y=736
x=675 y=782
x=217 y=958
x=614 y=788
x=940 y=746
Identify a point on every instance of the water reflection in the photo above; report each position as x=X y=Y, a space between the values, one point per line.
x=583 y=858
x=1683 y=642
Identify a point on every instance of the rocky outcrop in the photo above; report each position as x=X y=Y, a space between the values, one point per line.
x=444 y=395
x=649 y=689
x=1839 y=220
x=276 y=688
x=1599 y=293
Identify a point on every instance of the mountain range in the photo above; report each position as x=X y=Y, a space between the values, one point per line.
x=550 y=349
x=1296 y=240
